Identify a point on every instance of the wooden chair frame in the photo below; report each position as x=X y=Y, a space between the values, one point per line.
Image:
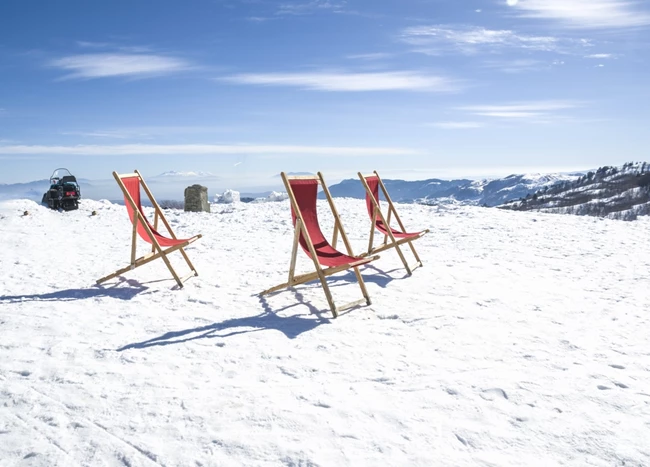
x=392 y=212
x=156 y=250
x=320 y=272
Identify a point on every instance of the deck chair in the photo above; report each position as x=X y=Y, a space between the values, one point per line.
x=130 y=185
x=303 y=193
x=393 y=238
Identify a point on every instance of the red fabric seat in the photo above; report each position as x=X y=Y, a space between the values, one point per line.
x=132 y=185
x=373 y=184
x=306 y=193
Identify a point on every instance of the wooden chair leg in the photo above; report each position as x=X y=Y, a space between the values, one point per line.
x=362 y=286
x=189 y=263
x=328 y=294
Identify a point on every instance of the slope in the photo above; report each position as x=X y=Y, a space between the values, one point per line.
x=520 y=342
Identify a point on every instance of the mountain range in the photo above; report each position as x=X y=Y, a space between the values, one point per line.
x=170 y=185
x=613 y=192
x=482 y=192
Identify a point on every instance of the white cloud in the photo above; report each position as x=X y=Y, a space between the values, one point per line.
x=325 y=81
x=147 y=132
x=114 y=64
x=456 y=125
x=93 y=45
x=473 y=39
x=519 y=66
x=587 y=14
x=309 y=7
x=521 y=110
x=201 y=149
x=600 y=56
x=371 y=56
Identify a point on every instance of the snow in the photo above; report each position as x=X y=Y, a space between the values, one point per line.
x=275 y=196
x=228 y=197
x=522 y=341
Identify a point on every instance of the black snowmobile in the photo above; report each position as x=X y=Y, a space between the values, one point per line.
x=64 y=192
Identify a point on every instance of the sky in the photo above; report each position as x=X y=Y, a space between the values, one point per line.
x=245 y=89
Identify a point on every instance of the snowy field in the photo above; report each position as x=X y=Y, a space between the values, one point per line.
x=524 y=340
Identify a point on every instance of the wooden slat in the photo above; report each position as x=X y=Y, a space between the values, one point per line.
x=126 y=175
x=301 y=177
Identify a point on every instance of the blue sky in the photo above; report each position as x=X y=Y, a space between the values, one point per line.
x=247 y=88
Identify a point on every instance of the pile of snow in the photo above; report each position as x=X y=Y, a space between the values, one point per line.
x=522 y=341
x=228 y=197
x=277 y=196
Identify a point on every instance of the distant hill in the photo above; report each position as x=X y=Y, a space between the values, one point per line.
x=612 y=192
x=482 y=192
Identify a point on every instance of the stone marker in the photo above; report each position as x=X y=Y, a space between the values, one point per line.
x=196 y=199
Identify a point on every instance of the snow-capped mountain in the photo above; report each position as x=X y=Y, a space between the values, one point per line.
x=483 y=192
x=613 y=192
x=170 y=185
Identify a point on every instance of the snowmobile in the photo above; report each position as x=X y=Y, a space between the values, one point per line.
x=64 y=192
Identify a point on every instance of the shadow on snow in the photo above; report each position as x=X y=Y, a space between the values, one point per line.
x=291 y=326
x=121 y=293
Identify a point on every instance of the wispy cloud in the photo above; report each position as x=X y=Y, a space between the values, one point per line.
x=456 y=125
x=600 y=56
x=103 y=65
x=202 y=149
x=93 y=45
x=310 y=7
x=588 y=14
x=439 y=39
x=146 y=132
x=521 y=110
x=326 y=81
x=520 y=66
x=371 y=56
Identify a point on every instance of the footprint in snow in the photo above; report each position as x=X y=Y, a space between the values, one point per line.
x=493 y=393
x=461 y=439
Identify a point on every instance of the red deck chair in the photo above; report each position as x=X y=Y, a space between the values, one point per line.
x=372 y=183
x=130 y=185
x=303 y=194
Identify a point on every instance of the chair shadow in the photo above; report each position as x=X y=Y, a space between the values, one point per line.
x=120 y=293
x=381 y=278
x=291 y=326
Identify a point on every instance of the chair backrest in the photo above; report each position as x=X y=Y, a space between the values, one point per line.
x=373 y=184
x=381 y=222
x=130 y=185
x=303 y=193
